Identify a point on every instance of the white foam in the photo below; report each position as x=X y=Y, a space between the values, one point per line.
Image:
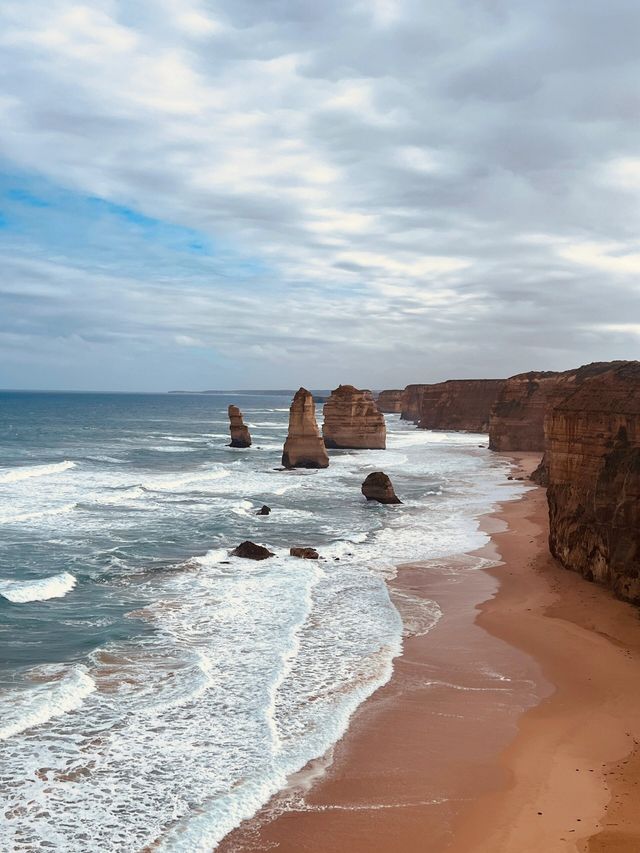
x=37 y=514
x=14 y=475
x=22 y=592
x=35 y=706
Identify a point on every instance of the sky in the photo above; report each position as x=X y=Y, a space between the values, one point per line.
x=272 y=193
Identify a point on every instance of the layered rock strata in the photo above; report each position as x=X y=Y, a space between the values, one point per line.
x=517 y=419
x=411 y=403
x=593 y=460
x=240 y=436
x=378 y=487
x=304 y=447
x=352 y=420
x=459 y=404
x=390 y=402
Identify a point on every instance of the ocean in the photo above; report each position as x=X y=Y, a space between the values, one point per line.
x=155 y=690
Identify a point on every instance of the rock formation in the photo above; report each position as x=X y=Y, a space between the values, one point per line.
x=541 y=474
x=352 y=420
x=250 y=551
x=412 y=402
x=593 y=455
x=304 y=553
x=304 y=447
x=390 y=402
x=264 y=510
x=240 y=436
x=378 y=487
x=459 y=404
x=517 y=419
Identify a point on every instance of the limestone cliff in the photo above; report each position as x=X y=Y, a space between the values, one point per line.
x=411 y=403
x=593 y=456
x=352 y=420
x=304 y=447
x=459 y=404
x=240 y=436
x=390 y=402
x=517 y=419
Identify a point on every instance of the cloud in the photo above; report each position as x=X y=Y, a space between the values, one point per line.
x=260 y=193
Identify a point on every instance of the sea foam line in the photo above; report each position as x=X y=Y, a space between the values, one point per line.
x=13 y=475
x=21 y=592
x=44 y=702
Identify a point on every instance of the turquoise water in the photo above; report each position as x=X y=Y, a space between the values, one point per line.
x=153 y=688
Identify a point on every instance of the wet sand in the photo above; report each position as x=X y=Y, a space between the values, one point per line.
x=527 y=703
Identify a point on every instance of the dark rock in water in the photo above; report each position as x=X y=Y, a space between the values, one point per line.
x=266 y=510
x=240 y=436
x=304 y=553
x=250 y=551
x=378 y=487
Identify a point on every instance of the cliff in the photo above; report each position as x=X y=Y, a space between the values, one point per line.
x=593 y=456
x=517 y=419
x=304 y=447
x=352 y=420
x=459 y=404
x=411 y=402
x=240 y=436
x=390 y=402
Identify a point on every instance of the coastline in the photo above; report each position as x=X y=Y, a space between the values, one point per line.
x=517 y=702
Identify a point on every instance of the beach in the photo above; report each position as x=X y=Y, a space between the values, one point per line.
x=512 y=726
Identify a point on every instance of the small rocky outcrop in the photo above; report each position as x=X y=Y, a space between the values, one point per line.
x=593 y=458
x=378 y=487
x=304 y=447
x=250 y=551
x=541 y=474
x=518 y=416
x=240 y=436
x=459 y=404
x=304 y=553
x=390 y=402
x=264 y=510
x=352 y=420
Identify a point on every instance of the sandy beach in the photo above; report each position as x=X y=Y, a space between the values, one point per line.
x=512 y=726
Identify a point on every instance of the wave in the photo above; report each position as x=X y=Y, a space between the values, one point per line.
x=21 y=592
x=38 y=705
x=43 y=513
x=14 y=475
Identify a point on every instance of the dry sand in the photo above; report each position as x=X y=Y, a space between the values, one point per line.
x=510 y=727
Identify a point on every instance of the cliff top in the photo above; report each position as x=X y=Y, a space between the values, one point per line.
x=615 y=390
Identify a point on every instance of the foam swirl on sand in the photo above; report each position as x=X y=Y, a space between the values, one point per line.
x=36 y=706
x=13 y=475
x=21 y=592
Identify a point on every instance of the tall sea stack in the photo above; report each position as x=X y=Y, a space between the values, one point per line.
x=304 y=447
x=352 y=420
x=240 y=436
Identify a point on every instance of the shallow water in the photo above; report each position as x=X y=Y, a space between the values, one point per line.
x=154 y=688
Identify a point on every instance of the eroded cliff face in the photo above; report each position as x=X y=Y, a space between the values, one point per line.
x=352 y=420
x=459 y=404
x=390 y=401
x=304 y=447
x=517 y=419
x=411 y=402
x=593 y=457
x=240 y=436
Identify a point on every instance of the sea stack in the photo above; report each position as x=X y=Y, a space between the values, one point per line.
x=593 y=461
x=240 y=436
x=304 y=447
x=390 y=401
x=352 y=420
x=378 y=487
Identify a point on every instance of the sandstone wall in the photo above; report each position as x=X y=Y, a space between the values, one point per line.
x=304 y=447
x=411 y=402
x=390 y=402
x=593 y=457
x=352 y=420
x=459 y=404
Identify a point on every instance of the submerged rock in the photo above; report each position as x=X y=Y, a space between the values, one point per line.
x=378 y=487
x=352 y=420
x=265 y=510
x=250 y=551
x=304 y=447
x=304 y=553
x=240 y=436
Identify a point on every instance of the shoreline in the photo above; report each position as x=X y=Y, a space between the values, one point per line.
x=527 y=678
